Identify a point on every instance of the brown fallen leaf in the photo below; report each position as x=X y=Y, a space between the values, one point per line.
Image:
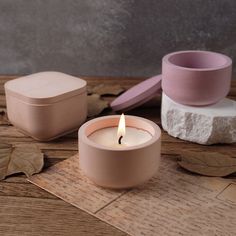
x=89 y=89
x=208 y=163
x=26 y=158
x=96 y=105
x=107 y=89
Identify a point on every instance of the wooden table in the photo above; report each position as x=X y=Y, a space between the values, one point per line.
x=28 y=210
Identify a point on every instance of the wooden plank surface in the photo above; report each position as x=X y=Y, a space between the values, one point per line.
x=28 y=210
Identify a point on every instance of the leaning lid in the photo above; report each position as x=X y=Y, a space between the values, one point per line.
x=45 y=87
x=138 y=95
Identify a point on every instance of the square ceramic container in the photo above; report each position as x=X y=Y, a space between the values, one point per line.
x=46 y=105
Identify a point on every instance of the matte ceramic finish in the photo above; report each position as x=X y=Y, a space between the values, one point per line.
x=119 y=167
x=196 y=77
x=46 y=105
x=45 y=87
x=138 y=95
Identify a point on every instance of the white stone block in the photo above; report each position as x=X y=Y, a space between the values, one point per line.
x=204 y=125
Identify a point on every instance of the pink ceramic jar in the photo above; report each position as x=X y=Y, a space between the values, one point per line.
x=119 y=167
x=46 y=105
x=196 y=77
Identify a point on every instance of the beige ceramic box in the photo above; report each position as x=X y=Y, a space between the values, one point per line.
x=46 y=105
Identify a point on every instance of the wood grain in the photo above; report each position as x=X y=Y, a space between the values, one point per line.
x=28 y=210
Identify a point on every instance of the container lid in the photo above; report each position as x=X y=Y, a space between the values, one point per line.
x=45 y=87
x=138 y=95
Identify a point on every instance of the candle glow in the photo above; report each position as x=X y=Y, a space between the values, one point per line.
x=120 y=136
x=121 y=128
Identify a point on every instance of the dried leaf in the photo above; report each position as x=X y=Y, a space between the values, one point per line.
x=108 y=89
x=208 y=163
x=96 y=105
x=3 y=117
x=27 y=159
x=89 y=89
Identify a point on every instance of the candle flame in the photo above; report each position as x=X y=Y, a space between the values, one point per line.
x=121 y=127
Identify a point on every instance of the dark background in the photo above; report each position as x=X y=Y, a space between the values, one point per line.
x=109 y=37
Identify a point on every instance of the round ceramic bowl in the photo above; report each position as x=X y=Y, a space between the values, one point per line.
x=115 y=167
x=196 y=78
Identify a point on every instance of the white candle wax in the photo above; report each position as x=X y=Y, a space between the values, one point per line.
x=108 y=137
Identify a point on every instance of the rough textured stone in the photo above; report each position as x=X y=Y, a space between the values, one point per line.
x=204 y=125
x=109 y=38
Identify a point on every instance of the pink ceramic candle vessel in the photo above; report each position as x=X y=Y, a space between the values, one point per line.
x=119 y=166
x=196 y=77
x=46 y=105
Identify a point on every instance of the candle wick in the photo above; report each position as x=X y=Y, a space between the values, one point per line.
x=119 y=141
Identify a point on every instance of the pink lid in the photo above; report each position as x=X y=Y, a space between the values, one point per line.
x=45 y=87
x=138 y=95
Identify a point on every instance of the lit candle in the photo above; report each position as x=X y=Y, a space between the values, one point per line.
x=118 y=151
x=120 y=136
